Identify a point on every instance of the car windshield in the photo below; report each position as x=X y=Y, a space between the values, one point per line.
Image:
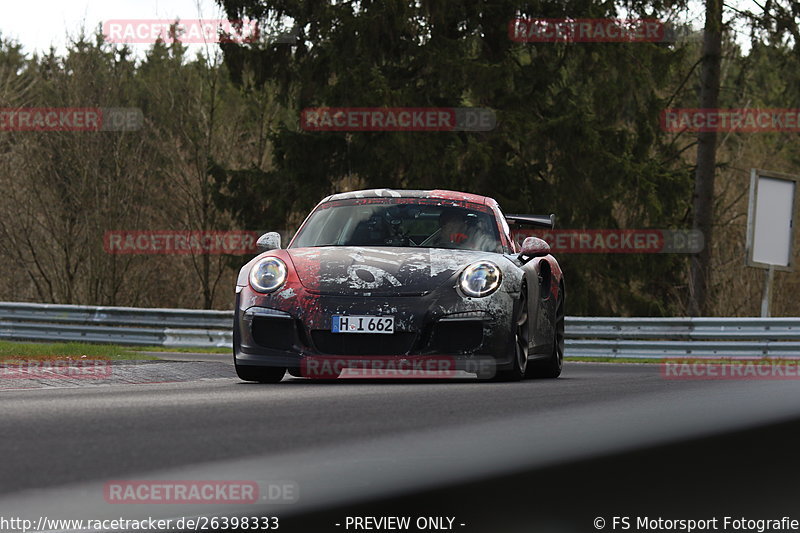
x=400 y=223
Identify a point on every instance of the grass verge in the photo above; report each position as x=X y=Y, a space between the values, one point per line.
x=178 y=350
x=15 y=351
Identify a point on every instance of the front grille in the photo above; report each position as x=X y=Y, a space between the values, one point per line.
x=398 y=343
x=457 y=336
x=274 y=332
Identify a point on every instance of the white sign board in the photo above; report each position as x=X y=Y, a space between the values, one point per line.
x=769 y=220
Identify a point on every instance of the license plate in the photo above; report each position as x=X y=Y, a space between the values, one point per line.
x=362 y=324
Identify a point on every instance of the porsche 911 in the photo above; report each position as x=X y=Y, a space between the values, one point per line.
x=388 y=276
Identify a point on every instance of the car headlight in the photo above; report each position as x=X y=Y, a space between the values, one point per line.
x=268 y=274
x=480 y=279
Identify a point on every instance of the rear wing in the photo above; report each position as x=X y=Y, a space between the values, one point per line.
x=540 y=221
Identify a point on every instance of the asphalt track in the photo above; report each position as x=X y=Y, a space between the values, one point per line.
x=551 y=454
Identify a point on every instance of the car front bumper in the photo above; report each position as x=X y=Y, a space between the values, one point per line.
x=283 y=328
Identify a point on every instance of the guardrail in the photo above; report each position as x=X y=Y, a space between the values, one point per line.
x=186 y=328
x=682 y=337
x=586 y=336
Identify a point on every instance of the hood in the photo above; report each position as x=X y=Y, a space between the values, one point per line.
x=378 y=271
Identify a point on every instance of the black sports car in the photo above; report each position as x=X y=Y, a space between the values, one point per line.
x=380 y=276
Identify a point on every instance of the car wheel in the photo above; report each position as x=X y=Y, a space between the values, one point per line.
x=262 y=374
x=551 y=367
x=520 y=339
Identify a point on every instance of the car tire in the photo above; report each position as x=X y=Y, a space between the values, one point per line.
x=261 y=374
x=551 y=367
x=520 y=337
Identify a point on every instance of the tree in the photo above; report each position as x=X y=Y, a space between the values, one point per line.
x=559 y=146
x=62 y=189
x=703 y=219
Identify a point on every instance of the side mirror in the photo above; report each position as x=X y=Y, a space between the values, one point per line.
x=534 y=246
x=269 y=241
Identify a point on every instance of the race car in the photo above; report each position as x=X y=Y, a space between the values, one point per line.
x=383 y=275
